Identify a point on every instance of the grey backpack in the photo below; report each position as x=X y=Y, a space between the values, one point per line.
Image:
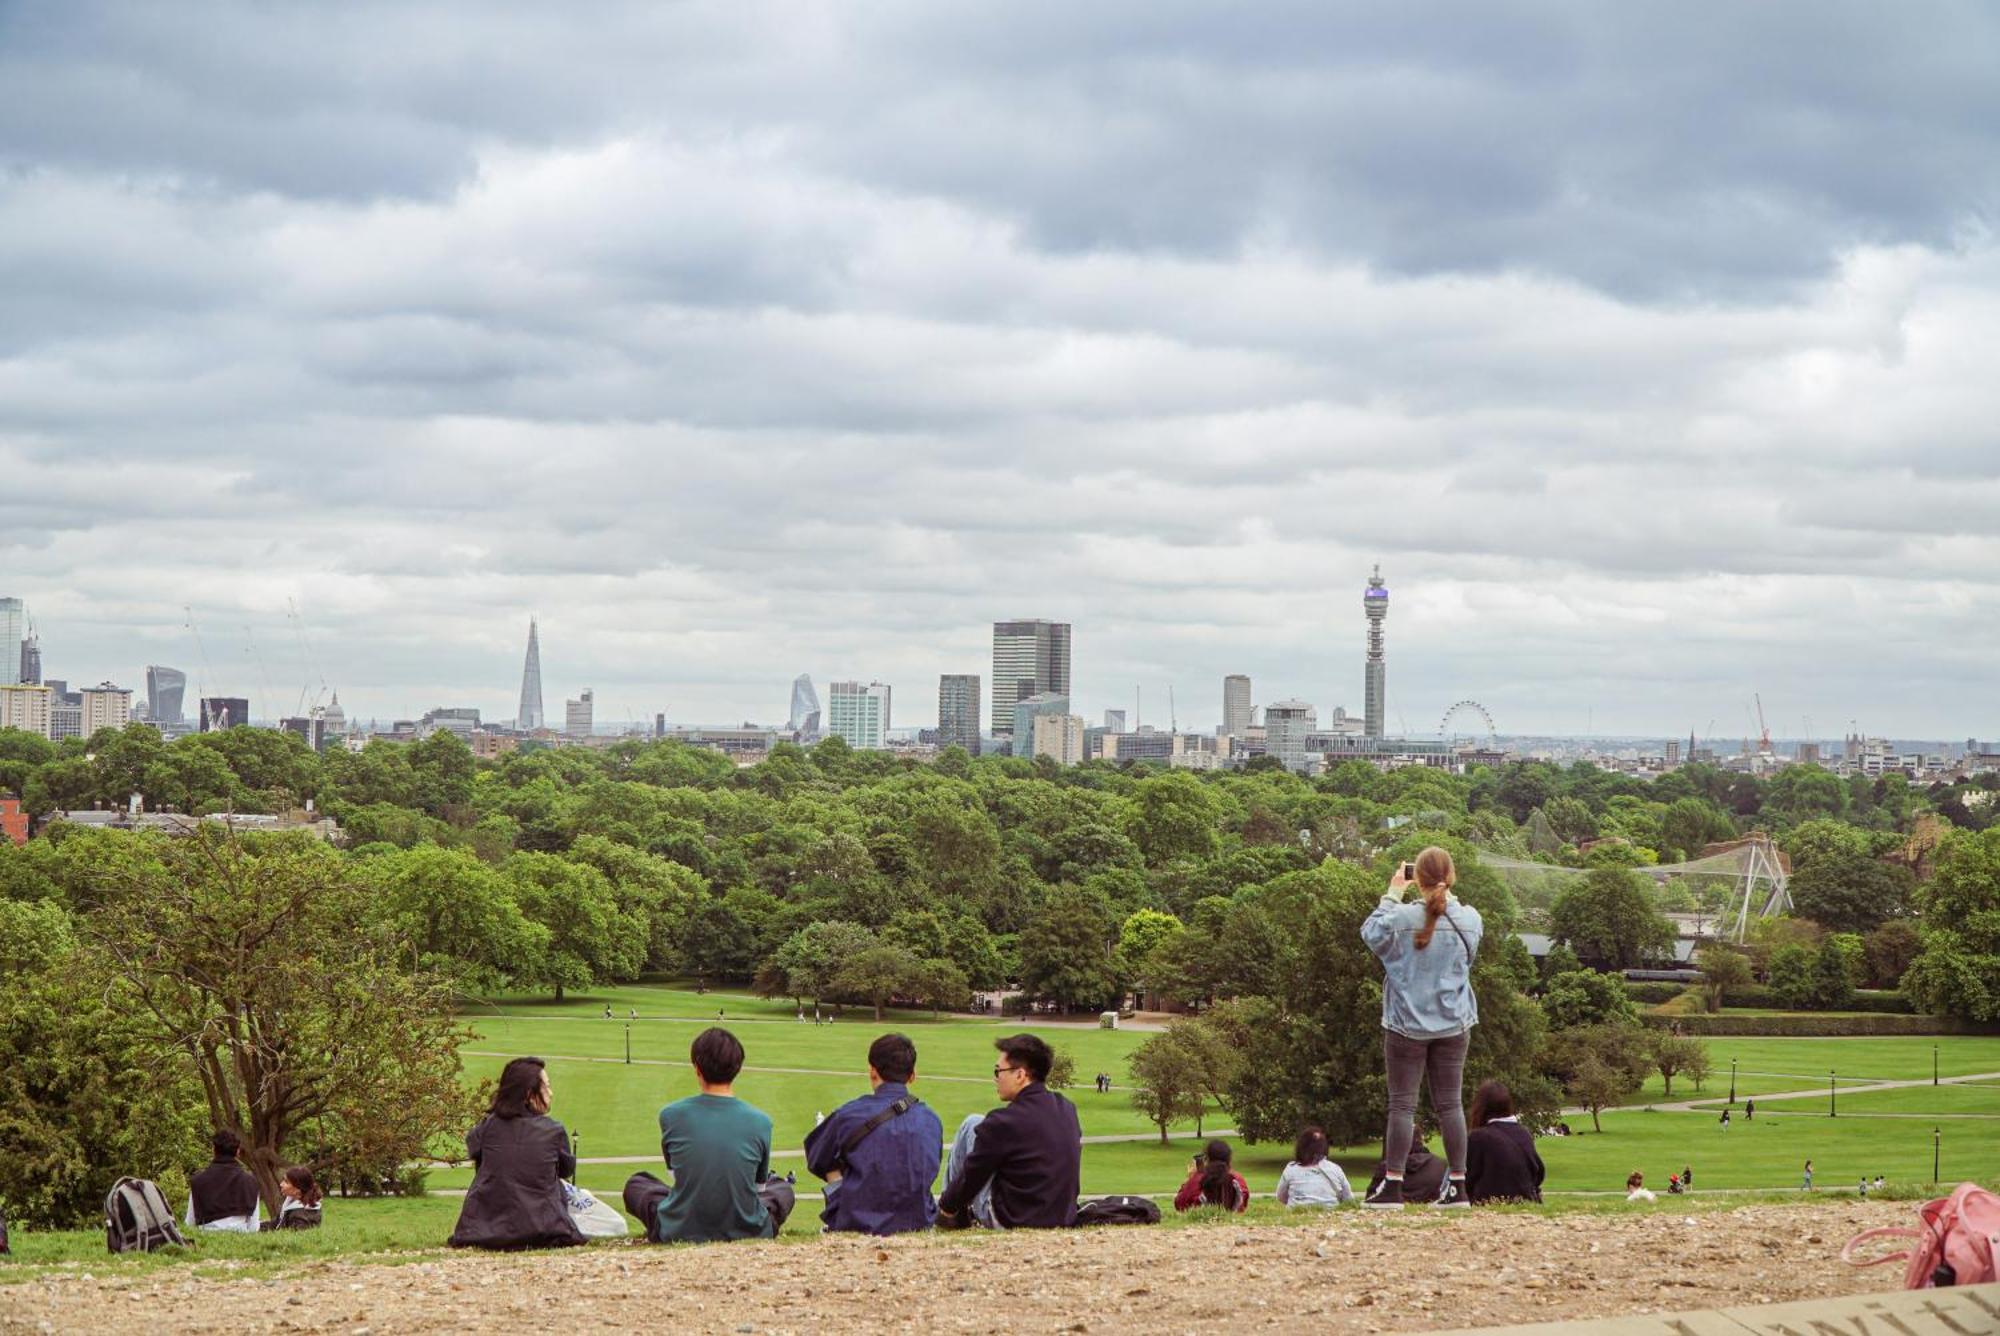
x=136 y=1218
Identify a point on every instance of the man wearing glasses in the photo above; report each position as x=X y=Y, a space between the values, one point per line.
x=1016 y=1167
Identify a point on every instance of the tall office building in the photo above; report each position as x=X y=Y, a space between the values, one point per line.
x=1114 y=721
x=13 y=630
x=858 y=714
x=577 y=714
x=220 y=712
x=1374 y=602
x=1021 y=731
x=805 y=717
x=1286 y=724
x=1236 y=709
x=106 y=706
x=958 y=711
x=31 y=658
x=166 y=688
x=28 y=708
x=1030 y=658
x=1058 y=737
x=529 y=717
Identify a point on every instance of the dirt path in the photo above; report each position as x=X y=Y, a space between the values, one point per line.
x=1352 y=1272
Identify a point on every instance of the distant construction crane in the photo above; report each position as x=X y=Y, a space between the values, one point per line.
x=1173 y=716
x=1763 y=729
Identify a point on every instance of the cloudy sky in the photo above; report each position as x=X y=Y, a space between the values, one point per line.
x=1650 y=349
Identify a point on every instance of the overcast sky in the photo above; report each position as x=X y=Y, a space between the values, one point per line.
x=1650 y=349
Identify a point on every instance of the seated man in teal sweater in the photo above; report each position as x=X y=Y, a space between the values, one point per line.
x=719 y=1150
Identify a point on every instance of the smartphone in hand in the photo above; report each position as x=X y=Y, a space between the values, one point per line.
x=1410 y=872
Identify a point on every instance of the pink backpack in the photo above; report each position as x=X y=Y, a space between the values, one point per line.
x=1958 y=1244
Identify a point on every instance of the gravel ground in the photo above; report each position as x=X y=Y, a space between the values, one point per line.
x=1355 y=1272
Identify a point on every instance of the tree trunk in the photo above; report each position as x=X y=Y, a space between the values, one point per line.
x=1595 y=1126
x=1668 y=1077
x=1163 y=1134
x=267 y=1166
x=559 y=996
x=878 y=1011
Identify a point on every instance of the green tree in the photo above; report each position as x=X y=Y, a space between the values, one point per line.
x=1600 y=1066
x=1674 y=1054
x=941 y=985
x=1571 y=819
x=591 y=939
x=262 y=968
x=195 y=780
x=1790 y=975
x=1066 y=953
x=1610 y=920
x=1832 y=986
x=1722 y=968
x=1957 y=972
x=1176 y=1072
x=1585 y=997
x=1850 y=894
x=875 y=974
x=1889 y=950
x=458 y=915
x=1173 y=816
x=1142 y=935
x=810 y=960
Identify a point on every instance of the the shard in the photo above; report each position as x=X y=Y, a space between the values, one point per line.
x=804 y=722
x=530 y=717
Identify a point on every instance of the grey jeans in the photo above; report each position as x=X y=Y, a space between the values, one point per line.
x=1408 y=1061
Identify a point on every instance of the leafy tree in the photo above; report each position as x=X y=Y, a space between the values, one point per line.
x=1695 y=1064
x=1173 y=816
x=457 y=914
x=195 y=780
x=809 y=962
x=1958 y=971
x=1802 y=793
x=1585 y=997
x=659 y=893
x=264 y=971
x=1066 y=953
x=941 y=985
x=1177 y=1071
x=875 y=974
x=591 y=939
x=1832 y=986
x=1601 y=1066
x=1610 y=920
x=1889 y=950
x=1559 y=960
x=1571 y=819
x=1790 y=975
x=1722 y=968
x=1850 y=894
x=1674 y=1054
x=1142 y=934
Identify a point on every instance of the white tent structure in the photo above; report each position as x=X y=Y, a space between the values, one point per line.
x=1751 y=863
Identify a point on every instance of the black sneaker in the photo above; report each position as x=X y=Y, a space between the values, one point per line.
x=1387 y=1195
x=1453 y=1196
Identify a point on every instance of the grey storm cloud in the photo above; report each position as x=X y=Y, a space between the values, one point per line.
x=1646 y=346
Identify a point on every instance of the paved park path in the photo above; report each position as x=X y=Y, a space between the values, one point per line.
x=1707 y=1103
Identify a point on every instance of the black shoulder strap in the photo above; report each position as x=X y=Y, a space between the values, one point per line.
x=1461 y=939
x=863 y=1132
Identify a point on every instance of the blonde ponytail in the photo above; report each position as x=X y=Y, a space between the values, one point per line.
x=1435 y=874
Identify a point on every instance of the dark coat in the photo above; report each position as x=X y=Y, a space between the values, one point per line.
x=516 y=1198
x=1423 y=1176
x=1501 y=1164
x=223 y=1190
x=1031 y=1151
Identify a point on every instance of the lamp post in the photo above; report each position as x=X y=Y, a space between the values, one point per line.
x=1732 y=1082
x=628 y=1043
x=1936 y=1135
x=1934 y=1079
x=1831 y=1111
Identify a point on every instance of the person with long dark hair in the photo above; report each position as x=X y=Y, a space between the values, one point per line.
x=1311 y=1179
x=1428 y=1010
x=1213 y=1183
x=1501 y=1163
x=520 y=1157
x=300 y=1208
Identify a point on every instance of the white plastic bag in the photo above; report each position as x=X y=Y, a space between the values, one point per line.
x=594 y=1219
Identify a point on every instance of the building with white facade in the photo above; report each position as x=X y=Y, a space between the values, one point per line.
x=578 y=714
x=1059 y=737
x=1236 y=707
x=106 y=706
x=1286 y=724
x=858 y=714
x=28 y=708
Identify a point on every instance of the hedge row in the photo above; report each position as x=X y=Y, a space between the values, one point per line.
x=1652 y=991
x=1881 y=1000
x=1800 y=1024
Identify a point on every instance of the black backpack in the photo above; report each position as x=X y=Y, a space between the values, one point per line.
x=1118 y=1211
x=136 y=1217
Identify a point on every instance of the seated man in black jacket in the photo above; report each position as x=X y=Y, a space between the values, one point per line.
x=224 y=1196
x=1026 y=1155
x=1501 y=1163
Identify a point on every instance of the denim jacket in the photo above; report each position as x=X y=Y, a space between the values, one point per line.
x=1426 y=994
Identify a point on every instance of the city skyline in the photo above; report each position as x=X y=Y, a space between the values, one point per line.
x=1652 y=382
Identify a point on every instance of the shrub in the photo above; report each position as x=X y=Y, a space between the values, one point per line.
x=1653 y=990
x=1809 y=1026
x=1686 y=1004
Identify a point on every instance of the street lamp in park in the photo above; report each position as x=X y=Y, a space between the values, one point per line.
x=1831 y=1111
x=628 y=1043
x=1934 y=1079
x=1732 y=1082
x=1936 y=1136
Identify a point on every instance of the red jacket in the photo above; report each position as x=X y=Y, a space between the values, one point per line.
x=1189 y=1196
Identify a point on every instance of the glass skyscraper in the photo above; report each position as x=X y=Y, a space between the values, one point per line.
x=958 y=711
x=530 y=716
x=13 y=630
x=166 y=688
x=1030 y=658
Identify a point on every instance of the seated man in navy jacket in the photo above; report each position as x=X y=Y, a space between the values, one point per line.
x=1017 y=1167
x=879 y=1153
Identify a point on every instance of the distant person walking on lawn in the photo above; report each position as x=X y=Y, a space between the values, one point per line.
x=1428 y=1010
x=1749 y=1109
x=1807 y=1185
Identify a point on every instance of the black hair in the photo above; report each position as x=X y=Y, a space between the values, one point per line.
x=1310 y=1148
x=301 y=1178
x=520 y=1083
x=1217 y=1185
x=1026 y=1050
x=717 y=1055
x=1492 y=1100
x=226 y=1144
x=893 y=1057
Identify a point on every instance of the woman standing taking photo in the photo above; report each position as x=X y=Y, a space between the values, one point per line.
x=1426 y=948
